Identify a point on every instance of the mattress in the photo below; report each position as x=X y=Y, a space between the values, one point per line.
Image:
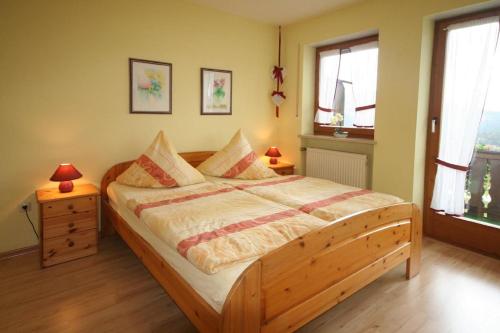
x=213 y=288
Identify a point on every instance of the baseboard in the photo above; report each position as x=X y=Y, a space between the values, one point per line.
x=19 y=252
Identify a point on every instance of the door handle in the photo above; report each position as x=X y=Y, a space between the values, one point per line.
x=434 y=124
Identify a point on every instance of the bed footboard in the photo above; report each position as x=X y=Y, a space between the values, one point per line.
x=295 y=283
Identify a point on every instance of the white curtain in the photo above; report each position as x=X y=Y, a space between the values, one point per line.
x=469 y=60
x=329 y=71
x=364 y=82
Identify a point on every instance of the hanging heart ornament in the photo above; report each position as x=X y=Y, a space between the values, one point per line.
x=278 y=97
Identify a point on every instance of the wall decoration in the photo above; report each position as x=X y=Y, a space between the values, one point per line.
x=216 y=91
x=150 y=86
x=278 y=75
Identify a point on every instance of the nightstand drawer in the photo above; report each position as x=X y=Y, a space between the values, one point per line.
x=68 y=206
x=69 y=224
x=77 y=245
x=284 y=171
x=283 y=168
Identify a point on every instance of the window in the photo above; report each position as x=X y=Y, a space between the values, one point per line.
x=346 y=84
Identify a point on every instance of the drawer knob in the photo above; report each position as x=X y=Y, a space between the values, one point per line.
x=71 y=225
x=70 y=207
x=71 y=243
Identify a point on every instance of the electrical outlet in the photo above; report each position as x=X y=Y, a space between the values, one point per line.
x=25 y=206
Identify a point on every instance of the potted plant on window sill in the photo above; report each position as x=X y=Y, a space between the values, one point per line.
x=336 y=120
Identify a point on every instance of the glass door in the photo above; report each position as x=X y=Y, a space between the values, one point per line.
x=462 y=182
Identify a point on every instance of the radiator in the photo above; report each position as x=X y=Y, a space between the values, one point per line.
x=344 y=168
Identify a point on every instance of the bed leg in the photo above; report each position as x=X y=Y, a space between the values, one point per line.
x=107 y=228
x=413 y=263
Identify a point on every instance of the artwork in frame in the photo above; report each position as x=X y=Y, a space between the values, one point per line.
x=216 y=91
x=150 y=86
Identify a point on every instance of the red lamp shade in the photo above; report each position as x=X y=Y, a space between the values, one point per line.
x=65 y=173
x=273 y=152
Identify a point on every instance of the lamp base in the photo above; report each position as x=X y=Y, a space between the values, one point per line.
x=273 y=160
x=66 y=186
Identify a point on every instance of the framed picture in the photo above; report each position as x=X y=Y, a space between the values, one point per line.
x=150 y=86
x=216 y=91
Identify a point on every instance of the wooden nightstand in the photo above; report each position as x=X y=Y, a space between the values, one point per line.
x=68 y=224
x=282 y=168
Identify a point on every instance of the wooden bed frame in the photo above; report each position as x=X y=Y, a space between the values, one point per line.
x=290 y=286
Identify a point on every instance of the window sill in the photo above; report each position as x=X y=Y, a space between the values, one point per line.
x=332 y=138
x=354 y=132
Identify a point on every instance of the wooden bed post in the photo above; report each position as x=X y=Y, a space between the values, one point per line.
x=107 y=228
x=413 y=263
x=242 y=310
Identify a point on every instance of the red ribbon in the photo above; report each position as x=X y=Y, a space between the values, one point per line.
x=278 y=74
x=452 y=166
x=365 y=107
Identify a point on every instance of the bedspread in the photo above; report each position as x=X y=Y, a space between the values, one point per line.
x=319 y=197
x=216 y=225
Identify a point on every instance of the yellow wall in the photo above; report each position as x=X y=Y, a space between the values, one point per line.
x=64 y=88
x=405 y=33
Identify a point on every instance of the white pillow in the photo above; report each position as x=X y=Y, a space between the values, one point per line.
x=160 y=166
x=236 y=160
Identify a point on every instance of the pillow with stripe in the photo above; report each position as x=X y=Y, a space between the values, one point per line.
x=160 y=166
x=236 y=160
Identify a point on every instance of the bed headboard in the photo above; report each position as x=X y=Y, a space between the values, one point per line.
x=194 y=158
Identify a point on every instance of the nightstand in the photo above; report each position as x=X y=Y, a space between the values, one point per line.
x=68 y=224
x=282 y=168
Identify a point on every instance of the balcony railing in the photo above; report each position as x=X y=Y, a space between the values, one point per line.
x=483 y=187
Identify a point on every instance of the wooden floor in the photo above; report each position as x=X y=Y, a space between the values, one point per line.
x=457 y=291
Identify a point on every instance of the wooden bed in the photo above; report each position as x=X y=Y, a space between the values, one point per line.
x=295 y=283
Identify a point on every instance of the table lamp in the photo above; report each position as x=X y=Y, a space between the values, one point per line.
x=273 y=152
x=64 y=174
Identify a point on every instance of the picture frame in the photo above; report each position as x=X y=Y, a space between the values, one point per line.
x=216 y=92
x=150 y=86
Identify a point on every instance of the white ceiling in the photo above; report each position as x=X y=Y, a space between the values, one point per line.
x=275 y=11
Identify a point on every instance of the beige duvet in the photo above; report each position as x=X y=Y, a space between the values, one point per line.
x=217 y=225
x=319 y=197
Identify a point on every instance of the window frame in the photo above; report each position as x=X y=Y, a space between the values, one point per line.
x=319 y=129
